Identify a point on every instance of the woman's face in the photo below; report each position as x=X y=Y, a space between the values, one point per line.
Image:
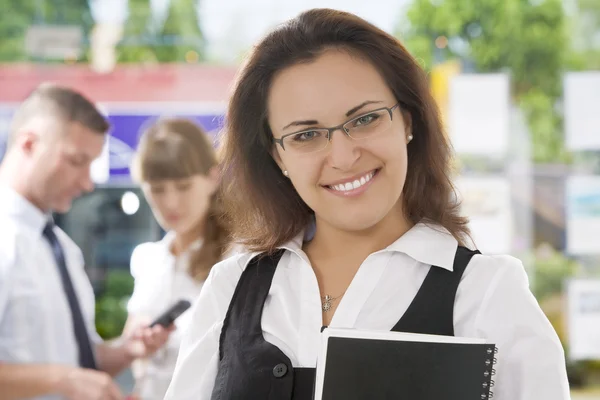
x=180 y=204
x=350 y=184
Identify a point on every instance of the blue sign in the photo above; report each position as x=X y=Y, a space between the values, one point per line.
x=5 y=119
x=126 y=131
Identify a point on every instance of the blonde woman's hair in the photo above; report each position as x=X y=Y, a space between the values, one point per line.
x=177 y=148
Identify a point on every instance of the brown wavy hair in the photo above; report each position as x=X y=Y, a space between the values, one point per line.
x=266 y=208
x=177 y=148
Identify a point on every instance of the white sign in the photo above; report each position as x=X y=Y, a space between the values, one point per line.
x=113 y=11
x=100 y=169
x=486 y=201
x=583 y=214
x=582 y=110
x=104 y=39
x=5 y=121
x=584 y=319
x=479 y=113
x=54 y=41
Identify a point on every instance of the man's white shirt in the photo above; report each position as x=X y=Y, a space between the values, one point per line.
x=35 y=319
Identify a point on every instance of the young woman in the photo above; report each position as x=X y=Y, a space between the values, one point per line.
x=176 y=167
x=337 y=170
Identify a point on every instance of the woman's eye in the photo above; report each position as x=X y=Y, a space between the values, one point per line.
x=306 y=136
x=365 y=119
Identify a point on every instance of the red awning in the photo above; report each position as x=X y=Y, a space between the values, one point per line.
x=127 y=83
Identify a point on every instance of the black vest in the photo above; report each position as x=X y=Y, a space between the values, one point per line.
x=252 y=368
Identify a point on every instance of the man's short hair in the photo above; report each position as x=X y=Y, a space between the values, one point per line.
x=60 y=102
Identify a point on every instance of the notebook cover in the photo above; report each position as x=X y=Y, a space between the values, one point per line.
x=390 y=369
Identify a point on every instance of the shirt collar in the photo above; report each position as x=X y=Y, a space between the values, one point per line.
x=170 y=236
x=21 y=210
x=426 y=242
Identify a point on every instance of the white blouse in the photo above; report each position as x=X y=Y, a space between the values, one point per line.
x=493 y=302
x=161 y=279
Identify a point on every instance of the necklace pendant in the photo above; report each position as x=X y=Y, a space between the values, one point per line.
x=327 y=303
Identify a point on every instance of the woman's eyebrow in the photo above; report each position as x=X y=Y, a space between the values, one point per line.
x=353 y=110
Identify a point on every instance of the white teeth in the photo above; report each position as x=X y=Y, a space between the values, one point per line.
x=344 y=187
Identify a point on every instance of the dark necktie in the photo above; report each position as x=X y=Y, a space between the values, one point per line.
x=86 y=356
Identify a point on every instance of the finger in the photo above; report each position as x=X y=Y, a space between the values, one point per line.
x=149 y=332
x=149 y=342
x=156 y=341
x=161 y=340
x=137 y=333
x=146 y=336
x=163 y=336
x=157 y=330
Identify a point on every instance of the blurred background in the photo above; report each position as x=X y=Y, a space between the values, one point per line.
x=518 y=83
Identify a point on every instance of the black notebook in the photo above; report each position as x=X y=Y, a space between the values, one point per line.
x=356 y=364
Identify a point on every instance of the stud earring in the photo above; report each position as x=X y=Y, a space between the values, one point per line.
x=410 y=138
x=286 y=173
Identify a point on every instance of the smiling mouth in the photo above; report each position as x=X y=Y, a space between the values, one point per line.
x=355 y=184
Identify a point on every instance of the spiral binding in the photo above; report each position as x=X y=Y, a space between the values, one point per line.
x=488 y=382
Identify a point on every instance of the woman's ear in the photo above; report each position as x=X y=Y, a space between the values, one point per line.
x=277 y=158
x=407 y=118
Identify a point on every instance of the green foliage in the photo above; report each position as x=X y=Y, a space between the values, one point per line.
x=585 y=25
x=544 y=122
x=17 y=15
x=111 y=307
x=137 y=28
x=111 y=316
x=145 y=41
x=13 y=25
x=526 y=38
x=181 y=23
x=118 y=283
x=550 y=271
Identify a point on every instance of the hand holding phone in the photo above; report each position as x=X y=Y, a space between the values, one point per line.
x=171 y=314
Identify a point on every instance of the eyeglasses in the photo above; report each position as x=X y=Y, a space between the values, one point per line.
x=364 y=126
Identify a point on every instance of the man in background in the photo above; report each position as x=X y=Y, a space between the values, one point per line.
x=49 y=348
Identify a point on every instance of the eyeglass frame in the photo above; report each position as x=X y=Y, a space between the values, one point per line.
x=330 y=131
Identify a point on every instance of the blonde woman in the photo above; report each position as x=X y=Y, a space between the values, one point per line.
x=176 y=167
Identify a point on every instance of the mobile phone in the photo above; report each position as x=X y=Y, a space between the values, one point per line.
x=171 y=314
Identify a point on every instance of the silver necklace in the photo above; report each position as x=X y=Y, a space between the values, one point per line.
x=327 y=300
